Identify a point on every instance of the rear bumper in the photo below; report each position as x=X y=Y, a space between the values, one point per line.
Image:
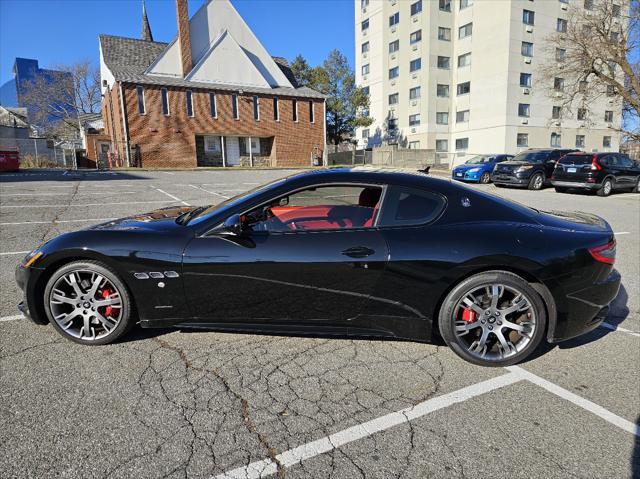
x=575 y=184
x=586 y=308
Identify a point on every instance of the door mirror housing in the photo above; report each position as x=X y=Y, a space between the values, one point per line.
x=233 y=225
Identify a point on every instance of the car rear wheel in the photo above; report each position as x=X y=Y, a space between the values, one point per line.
x=605 y=189
x=88 y=303
x=485 y=178
x=536 y=182
x=493 y=319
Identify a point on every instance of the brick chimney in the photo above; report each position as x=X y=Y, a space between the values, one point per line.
x=184 y=37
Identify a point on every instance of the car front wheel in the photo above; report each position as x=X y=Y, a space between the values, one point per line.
x=485 y=178
x=88 y=303
x=493 y=319
x=536 y=182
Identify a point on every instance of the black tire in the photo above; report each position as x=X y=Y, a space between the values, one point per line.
x=536 y=182
x=606 y=188
x=125 y=322
x=458 y=343
x=561 y=189
x=485 y=179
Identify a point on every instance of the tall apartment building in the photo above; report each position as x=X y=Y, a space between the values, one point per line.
x=463 y=78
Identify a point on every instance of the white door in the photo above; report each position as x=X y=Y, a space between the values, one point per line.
x=233 y=150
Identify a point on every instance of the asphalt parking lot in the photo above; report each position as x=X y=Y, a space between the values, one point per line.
x=166 y=403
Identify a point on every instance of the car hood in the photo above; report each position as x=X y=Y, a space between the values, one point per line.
x=156 y=220
x=515 y=163
x=468 y=167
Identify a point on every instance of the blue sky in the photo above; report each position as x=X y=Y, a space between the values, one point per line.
x=65 y=31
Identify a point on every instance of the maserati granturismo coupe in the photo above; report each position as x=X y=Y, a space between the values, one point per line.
x=345 y=251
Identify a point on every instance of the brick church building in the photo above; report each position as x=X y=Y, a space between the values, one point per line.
x=213 y=96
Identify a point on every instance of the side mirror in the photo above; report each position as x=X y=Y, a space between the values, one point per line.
x=233 y=225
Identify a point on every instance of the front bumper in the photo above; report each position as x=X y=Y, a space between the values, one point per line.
x=26 y=278
x=513 y=180
x=466 y=176
x=575 y=184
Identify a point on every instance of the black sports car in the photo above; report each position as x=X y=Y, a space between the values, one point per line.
x=344 y=251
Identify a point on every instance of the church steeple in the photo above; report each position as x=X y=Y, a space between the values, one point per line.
x=146 y=29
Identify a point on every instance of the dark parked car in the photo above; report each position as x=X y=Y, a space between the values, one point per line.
x=478 y=168
x=341 y=251
x=529 y=169
x=601 y=172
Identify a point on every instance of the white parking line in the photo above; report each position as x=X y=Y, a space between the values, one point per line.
x=66 y=194
x=11 y=318
x=622 y=233
x=8 y=253
x=171 y=196
x=613 y=327
x=55 y=222
x=578 y=401
x=306 y=451
x=210 y=192
x=86 y=204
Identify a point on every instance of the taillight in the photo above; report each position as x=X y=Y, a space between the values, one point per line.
x=594 y=163
x=605 y=253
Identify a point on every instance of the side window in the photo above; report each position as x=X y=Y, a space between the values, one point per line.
x=410 y=206
x=625 y=161
x=318 y=208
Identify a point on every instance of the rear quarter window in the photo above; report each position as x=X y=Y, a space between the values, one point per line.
x=410 y=206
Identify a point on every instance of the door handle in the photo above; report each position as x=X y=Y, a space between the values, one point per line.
x=358 y=252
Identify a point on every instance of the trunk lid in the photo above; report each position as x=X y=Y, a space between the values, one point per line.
x=574 y=221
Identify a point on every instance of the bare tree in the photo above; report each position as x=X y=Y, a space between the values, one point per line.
x=595 y=55
x=57 y=99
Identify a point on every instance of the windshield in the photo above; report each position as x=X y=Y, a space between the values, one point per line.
x=231 y=202
x=477 y=160
x=531 y=156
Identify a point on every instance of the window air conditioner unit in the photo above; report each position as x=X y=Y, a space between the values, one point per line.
x=529 y=29
x=563 y=6
x=527 y=59
x=415 y=19
x=557 y=123
x=364 y=10
x=583 y=125
x=525 y=121
x=393 y=82
x=558 y=94
x=414 y=48
x=610 y=125
x=393 y=56
x=364 y=33
x=588 y=13
x=414 y=102
x=414 y=76
x=393 y=29
x=413 y=130
x=526 y=91
x=560 y=66
x=364 y=77
x=610 y=100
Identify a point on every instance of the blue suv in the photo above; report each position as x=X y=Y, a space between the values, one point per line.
x=478 y=168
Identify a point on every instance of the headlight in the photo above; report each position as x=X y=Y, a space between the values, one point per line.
x=32 y=257
x=474 y=170
x=524 y=168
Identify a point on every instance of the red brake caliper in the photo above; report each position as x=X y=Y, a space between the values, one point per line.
x=468 y=315
x=106 y=292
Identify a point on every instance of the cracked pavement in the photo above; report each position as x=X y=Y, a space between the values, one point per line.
x=178 y=404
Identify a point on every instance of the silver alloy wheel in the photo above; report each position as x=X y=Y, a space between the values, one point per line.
x=607 y=187
x=85 y=304
x=485 y=178
x=537 y=182
x=499 y=323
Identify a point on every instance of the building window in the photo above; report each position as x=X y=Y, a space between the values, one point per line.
x=608 y=116
x=141 y=105
x=582 y=113
x=561 y=54
x=444 y=34
x=443 y=63
x=462 y=116
x=414 y=120
x=416 y=7
x=527 y=49
x=579 y=141
x=465 y=30
x=442 y=91
x=582 y=86
x=588 y=4
x=465 y=3
x=614 y=37
x=463 y=88
x=442 y=145
x=415 y=65
x=415 y=37
x=522 y=140
x=164 y=93
x=611 y=90
x=392 y=124
x=606 y=141
x=212 y=105
x=393 y=99
x=462 y=143
x=256 y=108
x=445 y=5
x=414 y=145
x=556 y=140
x=615 y=11
x=365 y=47
x=312 y=112
x=561 y=25
x=276 y=110
x=394 y=19
x=394 y=46
x=442 y=117
x=234 y=107
x=393 y=73
x=464 y=60
x=294 y=108
x=364 y=25
x=525 y=79
x=189 y=97
x=414 y=93
x=365 y=69
x=558 y=84
x=528 y=17
x=523 y=109
x=365 y=134
x=556 y=112
x=364 y=4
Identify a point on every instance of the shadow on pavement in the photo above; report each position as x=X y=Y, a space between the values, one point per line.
x=67 y=175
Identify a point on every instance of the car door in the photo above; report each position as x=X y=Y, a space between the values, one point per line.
x=630 y=171
x=310 y=258
x=614 y=168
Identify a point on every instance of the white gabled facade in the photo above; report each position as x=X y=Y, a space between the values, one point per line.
x=486 y=119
